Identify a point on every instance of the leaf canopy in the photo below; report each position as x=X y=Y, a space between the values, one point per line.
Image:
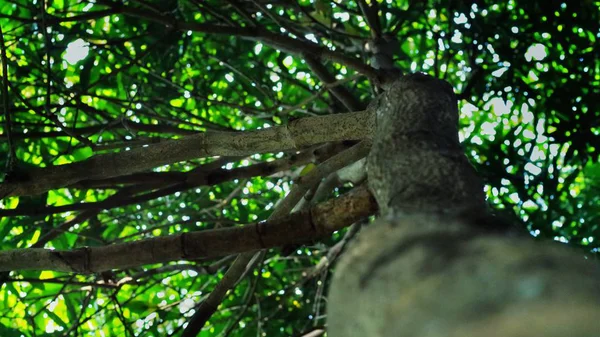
x=94 y=77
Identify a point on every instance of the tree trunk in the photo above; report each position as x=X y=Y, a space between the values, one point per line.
x=436 y=263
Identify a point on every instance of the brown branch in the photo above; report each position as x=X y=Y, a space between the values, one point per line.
x=286 y=43
x=283 y=209
x=248 y=296
x=164 y=183
x=51 y=19
x=204 y=174
x=64 y=282
x=200 y=269
x=325 y=27
x=57 y=231
x=306 y=225
x=371 y=15
x=241 y=266
x=299 y=134
x=303 y=184
x=209 y=305
x=128 y=125
x=340 y=92
x=253 y=33
x=50 y=116
x=12 y=157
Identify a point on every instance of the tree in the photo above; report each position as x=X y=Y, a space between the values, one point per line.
x=159 y=152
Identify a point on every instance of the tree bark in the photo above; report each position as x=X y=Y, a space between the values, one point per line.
x=298 y=134
x=297 y=228
x=436 y=263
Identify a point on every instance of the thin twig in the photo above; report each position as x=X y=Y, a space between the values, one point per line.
x=247 y=298
x=48 y=42
x=371 y=16
x=321 y=91
x=11 y=162
x=243 y=264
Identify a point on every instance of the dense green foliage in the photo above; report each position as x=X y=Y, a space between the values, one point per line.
x=90 y=77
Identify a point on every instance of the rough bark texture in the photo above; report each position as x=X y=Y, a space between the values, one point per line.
x=424 y=269
x=299 y=134
x=416 y=162
x=429 y=276
x=301 y=227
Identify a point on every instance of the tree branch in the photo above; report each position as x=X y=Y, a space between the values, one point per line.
x=286 y=43
x=371 y=15
x=12 y=158
x=298 y=134
x=310 y=224
x=154 y=185
x=210 y=305
x=340 y=92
